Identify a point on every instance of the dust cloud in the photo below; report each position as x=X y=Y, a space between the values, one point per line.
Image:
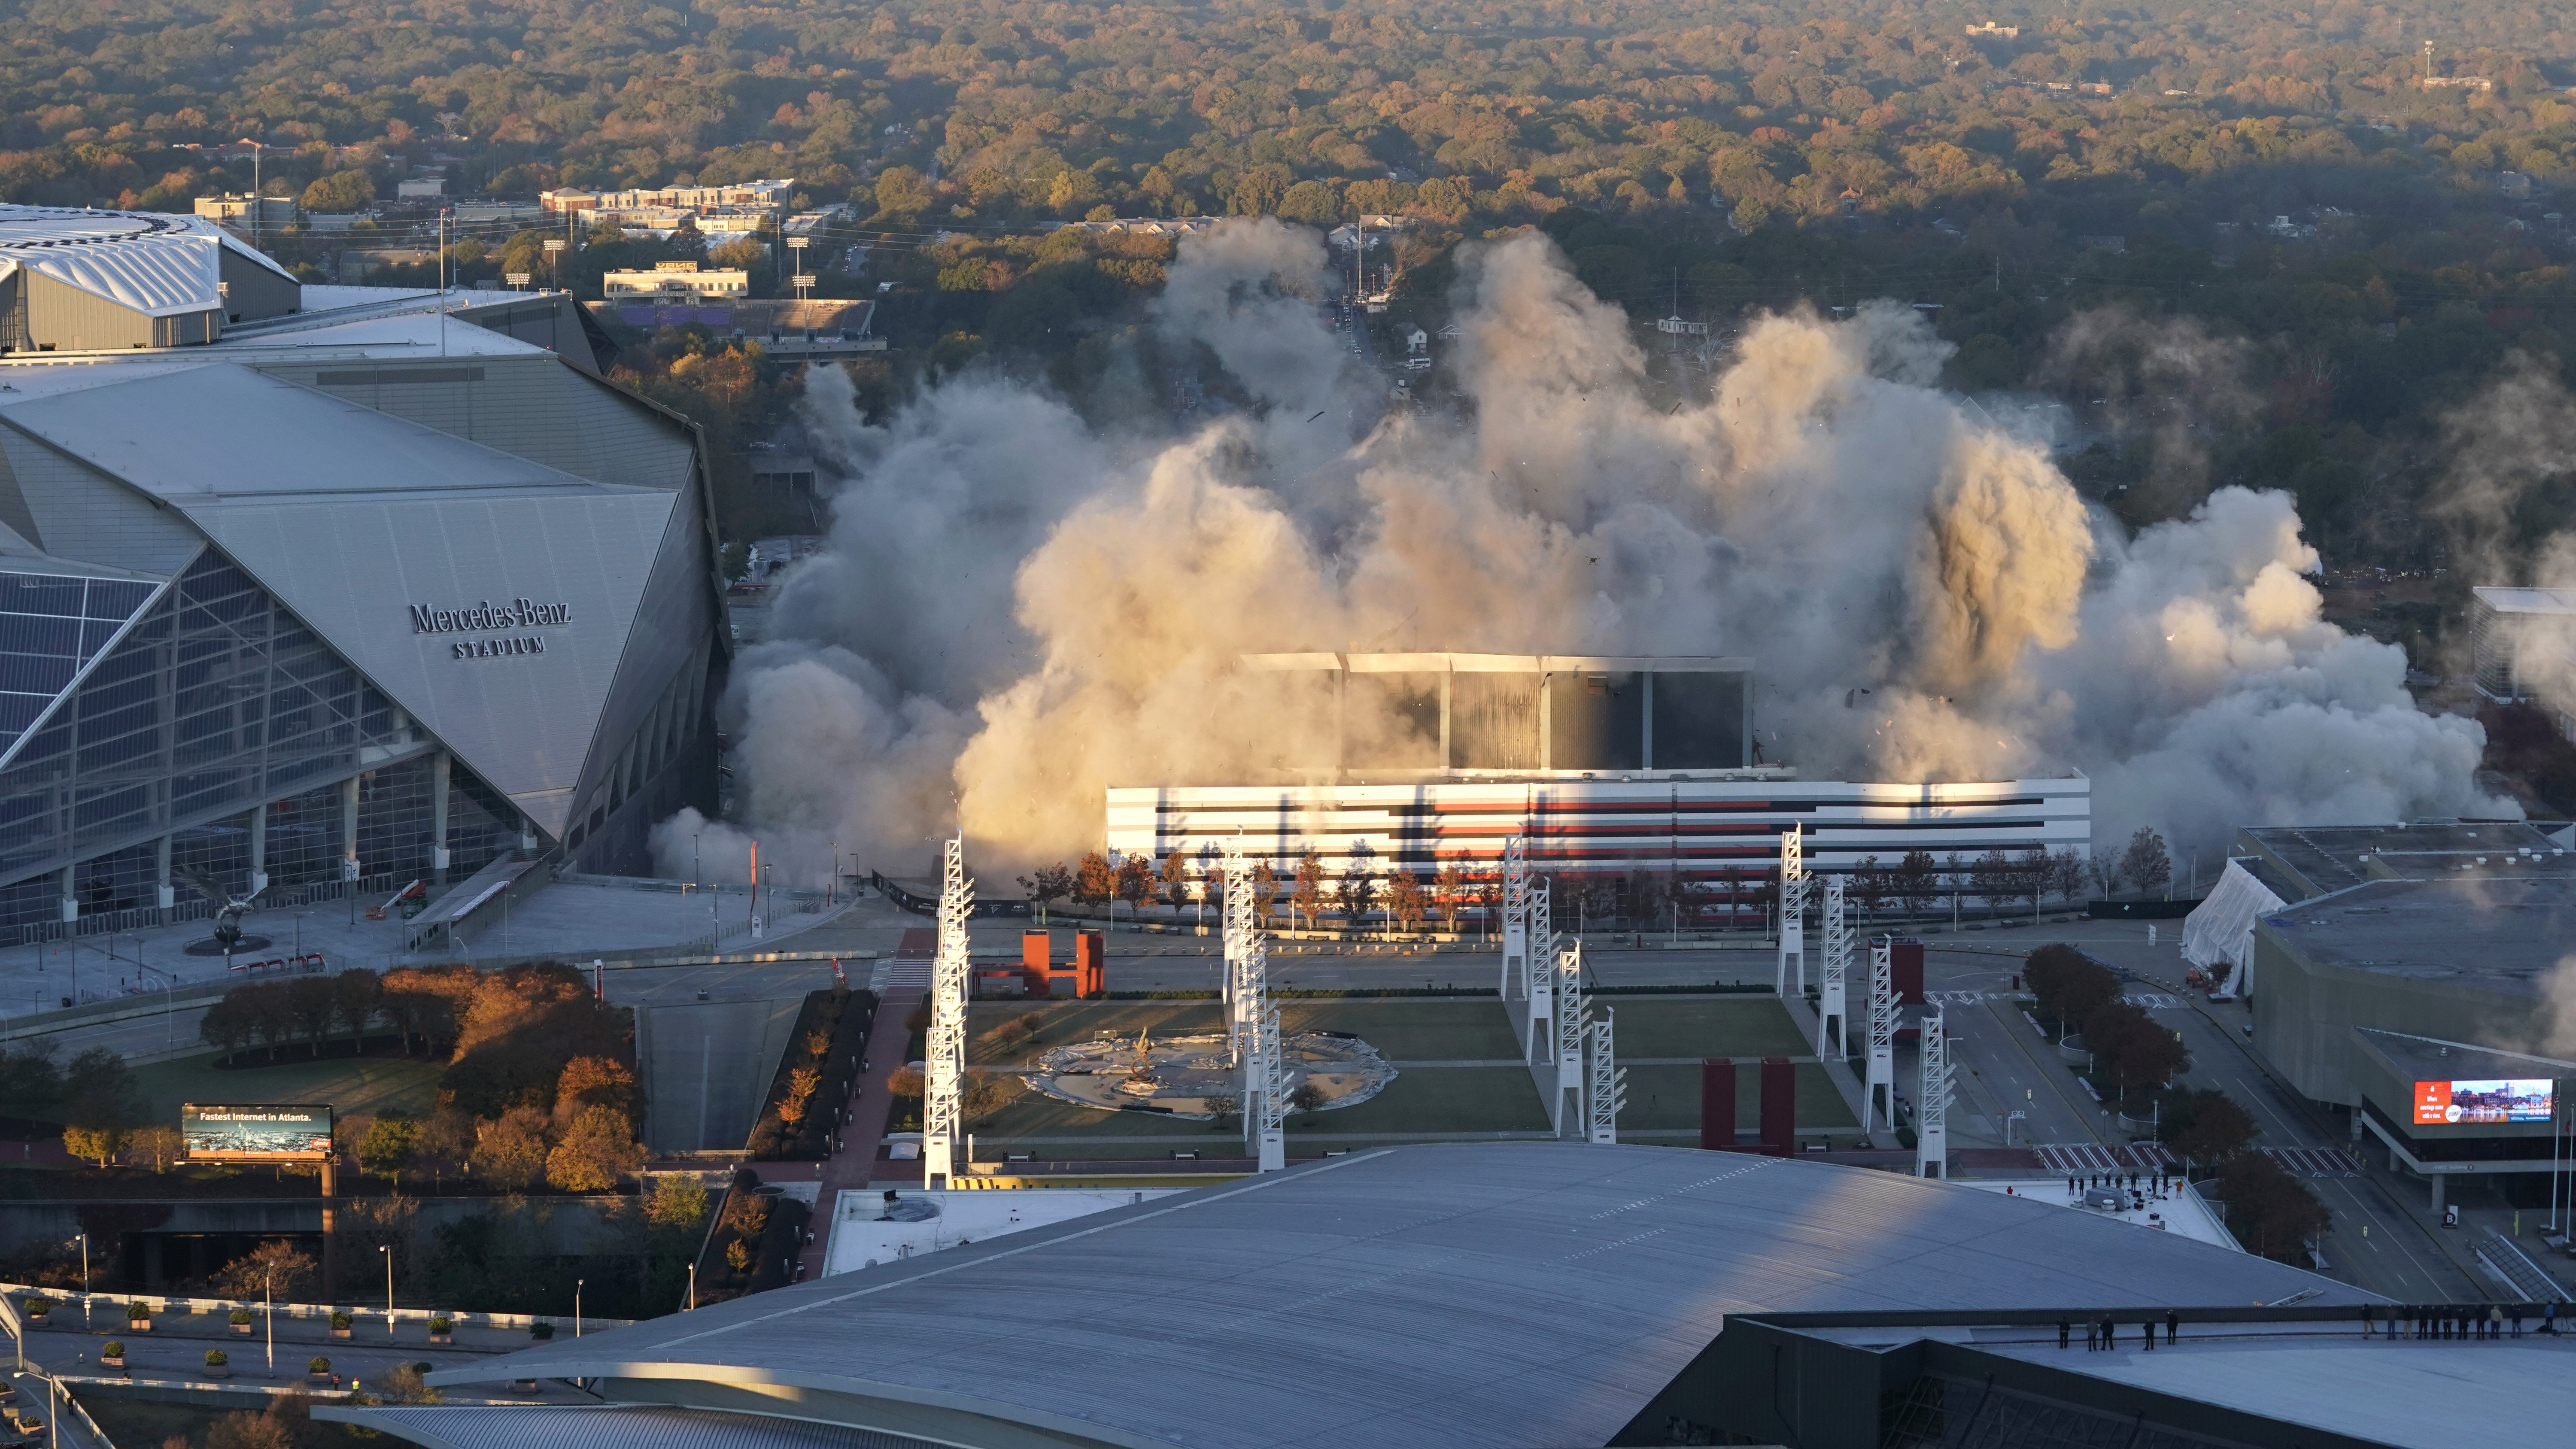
x=1017 y=610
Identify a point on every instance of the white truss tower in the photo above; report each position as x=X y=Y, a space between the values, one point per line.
x=1833 y=1006
x=942 y=1119
x=1541 y=945
x=1516 y=892
x=1606 y=1090
x=1573 y=1016
x=1878 y=1093
x=1253 y=1023
x=1792 y=975
x=1932 y=1102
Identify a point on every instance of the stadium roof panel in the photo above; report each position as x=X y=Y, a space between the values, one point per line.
x=160 y=430
x=1483 y=1294
x=2500 y=930
x=155 y=264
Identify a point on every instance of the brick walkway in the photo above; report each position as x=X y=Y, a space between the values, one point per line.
x=852 y=1167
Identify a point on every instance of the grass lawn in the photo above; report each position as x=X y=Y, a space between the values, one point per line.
x=138 y=1422
x=1403 y=1029
x=1667 y=1098
x=350 y=1084
x=1718 y=1026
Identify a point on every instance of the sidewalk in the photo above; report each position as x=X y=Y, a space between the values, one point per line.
x=851 y=1168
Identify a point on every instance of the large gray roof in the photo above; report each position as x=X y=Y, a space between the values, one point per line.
x=2502 y=932
x=1469 y=1294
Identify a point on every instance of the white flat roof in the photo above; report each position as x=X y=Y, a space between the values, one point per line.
x=2527 y=601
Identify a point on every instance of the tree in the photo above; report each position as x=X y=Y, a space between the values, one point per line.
x=801 y=1084
x=1994 y=878
x=314 y=1005
x=1049 y=884
x=1307 y=1098
x=389 y=1145
x=1449 y=893
x=1916 y=880
x=1135 y=881
x=2067 y=871
x=596 y=1152
x=510 y=1151
x=2069 y=986
x=2032 y=872
x=902 y=193
x=1870 y=887
x=1489 y=893
x=157 y=1146
x=356 y=996
x=2145 y=862
x=340 y=192
x=1093 y=881
x=1404 y=899
x=589 y=1081
x=678 y=1200
x=99 y=1144
x=1265 y=890
x=2130 y=1048
x=2106 y=871
x=1175 y=879
x=276 y=1270
x=982 y=1093
x=1308 y=898
x=2204 y=1126
x=1356 y=892
x=2271 y=1213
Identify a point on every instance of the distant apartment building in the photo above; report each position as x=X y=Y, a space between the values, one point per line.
x=683 y=282
x=769 y=195
x=2519 y=635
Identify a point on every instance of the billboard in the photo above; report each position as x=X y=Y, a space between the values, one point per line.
x=2442 y=1104
x=256 y=1133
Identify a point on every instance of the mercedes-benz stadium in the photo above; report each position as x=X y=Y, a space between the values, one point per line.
x=303 y=585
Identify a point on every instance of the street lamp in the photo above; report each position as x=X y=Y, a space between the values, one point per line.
x=268 y=1300
x=387 y=1250
x=693 y=1288
x=84 y=1242
x=576 y=1306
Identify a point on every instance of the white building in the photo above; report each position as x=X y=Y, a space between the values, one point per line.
x=681 y=282
x=2518 y=636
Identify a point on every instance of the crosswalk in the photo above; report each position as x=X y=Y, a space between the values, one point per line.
x=2146 y=1000
x=2313 y=1161
x=2081 y=1159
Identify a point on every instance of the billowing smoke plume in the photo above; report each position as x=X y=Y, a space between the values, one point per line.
x=1017 y=610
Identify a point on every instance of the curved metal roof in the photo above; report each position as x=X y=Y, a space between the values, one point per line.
x=1486 y=1294
x=156 y=264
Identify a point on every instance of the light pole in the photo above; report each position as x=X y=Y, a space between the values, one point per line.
x=84 y=1242
x=693 y=1287
x=387 y=1250
x=268 y=1300
x=576 y=1306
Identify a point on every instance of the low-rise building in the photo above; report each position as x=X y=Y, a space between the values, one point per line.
x=683 y=282
x=242 y=209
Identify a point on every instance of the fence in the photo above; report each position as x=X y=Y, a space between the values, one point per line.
x=66 y=1301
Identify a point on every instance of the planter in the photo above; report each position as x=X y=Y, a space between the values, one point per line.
x=138 y=1325
x=243 y=1327
x=112 y=1360
x=219 y=1370
x=340 y=1332
x=321 y=1380
x=442 y=1338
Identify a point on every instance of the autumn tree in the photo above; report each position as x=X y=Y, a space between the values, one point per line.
x=801 y=1084
x=678 y=1200
x=1404 y=899
x=597 y=1151
x=1449 y=892
x=1175 y=879
x=1093 y=880
x=1135 y=881
x=1047 y=885
x=1308 y=898
x=276 y=1270
x=2204 y=1126
x=510 y=1151
x=2272 y=1214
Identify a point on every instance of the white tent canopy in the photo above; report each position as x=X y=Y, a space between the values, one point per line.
x=2221 y=927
